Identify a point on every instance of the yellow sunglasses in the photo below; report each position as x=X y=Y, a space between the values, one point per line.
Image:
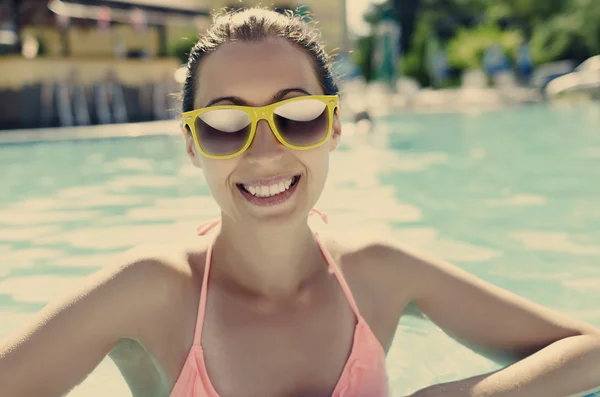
x=226 y=131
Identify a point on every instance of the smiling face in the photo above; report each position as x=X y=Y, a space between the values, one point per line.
x=259 y=74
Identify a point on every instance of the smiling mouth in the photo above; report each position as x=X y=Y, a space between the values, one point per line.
x=266 y=191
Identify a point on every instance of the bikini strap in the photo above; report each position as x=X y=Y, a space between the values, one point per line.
x=322 y=214
x=339 y=275
x=202 y=230
x=207 y=227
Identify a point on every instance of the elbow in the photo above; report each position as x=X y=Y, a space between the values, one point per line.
x=589 y=337
x=584 y=330
x=594 y=339
x=583 y=345
x=589 y=332
x=593 y=331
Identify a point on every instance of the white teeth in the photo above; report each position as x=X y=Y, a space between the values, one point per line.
x=271 y=190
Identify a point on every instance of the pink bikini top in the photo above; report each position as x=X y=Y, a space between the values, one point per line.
x=364 y=374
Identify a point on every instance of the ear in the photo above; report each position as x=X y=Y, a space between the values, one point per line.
x=336 y=134
x=190 y=146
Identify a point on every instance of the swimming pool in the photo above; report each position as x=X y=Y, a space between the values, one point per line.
x=509 y=195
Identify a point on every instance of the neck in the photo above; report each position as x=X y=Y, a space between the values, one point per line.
x=265 y=261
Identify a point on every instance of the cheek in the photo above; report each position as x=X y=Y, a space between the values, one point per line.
x=217 y=174
x=317 y=163
x=317 y=167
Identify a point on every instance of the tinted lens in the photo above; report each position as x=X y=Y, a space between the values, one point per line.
x=223 y=132
x=302 y=123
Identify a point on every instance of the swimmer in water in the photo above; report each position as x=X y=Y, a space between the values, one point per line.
x=257 y=304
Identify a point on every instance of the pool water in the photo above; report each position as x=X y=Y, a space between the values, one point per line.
x=509 y=195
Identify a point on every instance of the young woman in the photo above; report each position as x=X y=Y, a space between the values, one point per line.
x=258 y=304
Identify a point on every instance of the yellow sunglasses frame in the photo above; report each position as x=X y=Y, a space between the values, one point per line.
x=261 y=113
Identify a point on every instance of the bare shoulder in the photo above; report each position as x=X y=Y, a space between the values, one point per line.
x=379 y=278
x=373 y=259
x=385 y=260
x=165 y=273
x=135 y=284
x=374 y=265
x=67 y=339
x=404 y=271
x=167 y=262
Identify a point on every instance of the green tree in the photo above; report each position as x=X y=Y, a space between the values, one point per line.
x=572 y=34
x=555 y=30
x=363 y=54
x=364 y=46
x=467 y=48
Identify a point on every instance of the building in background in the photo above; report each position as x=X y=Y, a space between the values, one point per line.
x=84 y=62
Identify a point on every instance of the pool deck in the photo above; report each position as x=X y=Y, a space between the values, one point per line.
x=151 y=128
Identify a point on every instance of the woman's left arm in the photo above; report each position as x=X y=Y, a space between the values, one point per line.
x=565 y=368
x=553 y=354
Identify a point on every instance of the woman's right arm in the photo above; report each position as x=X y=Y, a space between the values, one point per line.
x=69 y=337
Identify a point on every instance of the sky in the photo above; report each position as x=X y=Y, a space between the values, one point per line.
x=355 y=10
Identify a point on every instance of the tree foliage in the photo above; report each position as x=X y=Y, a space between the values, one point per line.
x=555 y=30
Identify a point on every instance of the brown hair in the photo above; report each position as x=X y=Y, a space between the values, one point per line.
x=253 y=25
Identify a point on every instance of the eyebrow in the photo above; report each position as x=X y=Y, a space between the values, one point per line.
x=240 y=102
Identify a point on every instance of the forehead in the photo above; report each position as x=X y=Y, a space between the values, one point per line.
x=255 y=71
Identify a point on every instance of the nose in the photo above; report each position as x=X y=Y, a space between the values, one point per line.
x=264 y=147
